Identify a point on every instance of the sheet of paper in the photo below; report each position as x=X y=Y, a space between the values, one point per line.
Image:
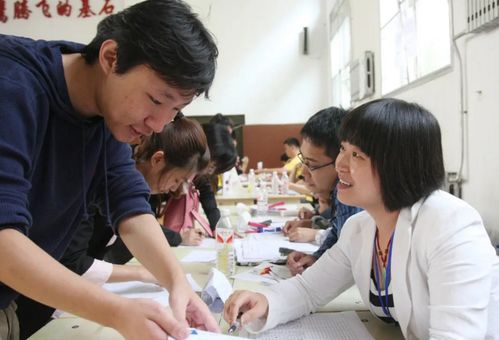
x=265 y=247
x=207 y=242
x=320 y=326
x=200 y=256
x=266 y=273
x=197 y=334
x=138 y=289
x=216 y=291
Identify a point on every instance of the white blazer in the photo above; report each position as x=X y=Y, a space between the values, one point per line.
x=445 y=272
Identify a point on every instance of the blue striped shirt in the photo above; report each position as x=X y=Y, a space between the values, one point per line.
x=340 y=214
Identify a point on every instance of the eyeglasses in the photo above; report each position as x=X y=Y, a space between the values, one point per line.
x=311 y=167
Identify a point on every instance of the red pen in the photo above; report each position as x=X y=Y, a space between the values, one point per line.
x=257 y=225
x=273 y=205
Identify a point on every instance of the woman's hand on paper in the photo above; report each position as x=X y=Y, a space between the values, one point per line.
x=192 y=236
x=248 y=305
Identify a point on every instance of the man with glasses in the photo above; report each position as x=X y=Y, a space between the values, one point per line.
x=318 y=151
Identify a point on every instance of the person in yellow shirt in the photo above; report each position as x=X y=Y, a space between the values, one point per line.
x=291 y=149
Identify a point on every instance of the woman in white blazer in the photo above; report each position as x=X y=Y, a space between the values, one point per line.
x=420 y=256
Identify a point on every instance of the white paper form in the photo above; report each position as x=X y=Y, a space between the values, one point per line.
x=202 y=256
x=143 y=290
x=320 y=326
x=265 y=247
x=138 y=289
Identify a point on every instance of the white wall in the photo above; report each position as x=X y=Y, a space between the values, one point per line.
x=262 y=72
x=440 y=94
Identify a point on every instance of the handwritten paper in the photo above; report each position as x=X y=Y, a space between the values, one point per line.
x=265 y=247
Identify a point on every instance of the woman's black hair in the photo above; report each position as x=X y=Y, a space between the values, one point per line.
x=164 y=35
x=222 y=150
x=403 y=141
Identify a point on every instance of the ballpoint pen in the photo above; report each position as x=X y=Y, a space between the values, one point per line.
x=235 y=325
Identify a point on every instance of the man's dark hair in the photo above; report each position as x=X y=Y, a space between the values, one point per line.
x=221 y=146
x=292 y=141
x=404 y=143
x=164 y=35
x=322 y=130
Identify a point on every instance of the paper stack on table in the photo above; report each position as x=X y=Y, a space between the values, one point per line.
x=261 y=247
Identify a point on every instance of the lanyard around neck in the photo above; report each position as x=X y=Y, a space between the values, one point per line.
x=377 y=272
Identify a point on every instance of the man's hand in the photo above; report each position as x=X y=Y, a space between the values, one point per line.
x=305 y=214
x=302 y=235
x=291 y=225
x=145 y=319
x=189 y=309
x=298 y=262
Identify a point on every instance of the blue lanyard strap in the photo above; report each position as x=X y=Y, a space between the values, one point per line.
x=377 y=273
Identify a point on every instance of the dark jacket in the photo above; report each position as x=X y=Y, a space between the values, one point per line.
x=207 y=200
x=52 y=160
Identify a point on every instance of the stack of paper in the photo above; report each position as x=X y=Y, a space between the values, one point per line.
x=261 y=247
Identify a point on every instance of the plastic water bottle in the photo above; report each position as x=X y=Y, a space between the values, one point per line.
x=225 y=250
x=251 y=181
x=262 y=200
x=284 y=183
x=275 y=183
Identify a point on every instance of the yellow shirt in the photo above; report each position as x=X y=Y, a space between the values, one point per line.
x=291 y=165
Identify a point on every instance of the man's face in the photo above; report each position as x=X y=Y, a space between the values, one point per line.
x=139 y=102
x=289 y=150
x=321 y=180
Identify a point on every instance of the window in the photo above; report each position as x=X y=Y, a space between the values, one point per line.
x=415 y=40
x=339 y=48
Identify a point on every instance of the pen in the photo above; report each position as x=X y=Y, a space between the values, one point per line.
x=256 y=224
x=273 y=205
x=235 y=325
x=268 y=230
x=263 y=224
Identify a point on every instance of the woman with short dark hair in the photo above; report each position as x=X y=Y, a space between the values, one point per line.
x=419 y=256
